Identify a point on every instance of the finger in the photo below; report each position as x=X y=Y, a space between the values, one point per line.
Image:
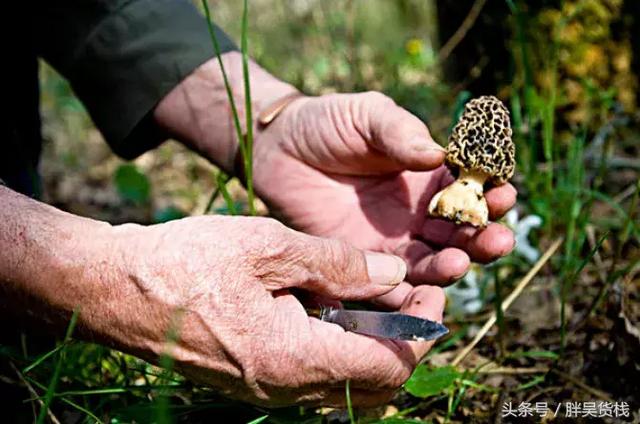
x=401 y=135
x=424 y=302
x=500 y=199
x=371 y=363
x=425 y=266
x=394 y=299
x=328 y=267
x=428 y=266
x=367 y=362
x=482 y=245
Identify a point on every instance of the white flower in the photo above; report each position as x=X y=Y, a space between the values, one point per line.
x=465 y=296
x=521 y=229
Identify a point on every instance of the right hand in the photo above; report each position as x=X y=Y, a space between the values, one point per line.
x=226 y=281
x=367 y=170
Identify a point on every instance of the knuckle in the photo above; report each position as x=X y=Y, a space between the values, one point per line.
x=378 y=98
x=266 y=227
x=336 y=251
x=278 y=255
x=341 y=261
x=348 y=261
x=263 y=237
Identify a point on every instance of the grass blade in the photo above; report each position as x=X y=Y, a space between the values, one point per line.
x=499 y=313
x=70 y=403
x=51 y=390
x=42 y=358
x=232 y=102
x=227 y=86
x=347 y=390
x=221 y=179
x=247 y=154
x=258 y=420
x=163 y=410
x=566 y=287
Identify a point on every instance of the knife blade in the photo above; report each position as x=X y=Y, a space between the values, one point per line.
x=387 y=325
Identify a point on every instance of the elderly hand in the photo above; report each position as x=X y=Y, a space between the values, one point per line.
x=360 y=168
x=241 y=330
x=352 y=166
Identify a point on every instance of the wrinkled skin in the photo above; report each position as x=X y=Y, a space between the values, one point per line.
x=359 y=168
x=224 y=282
x=355 y=169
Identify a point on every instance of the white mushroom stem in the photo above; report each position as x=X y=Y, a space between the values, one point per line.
x=463 y=201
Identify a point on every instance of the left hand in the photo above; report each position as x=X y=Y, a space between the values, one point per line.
x=360 y=168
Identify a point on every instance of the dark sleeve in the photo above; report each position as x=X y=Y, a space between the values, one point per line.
x=122 y=57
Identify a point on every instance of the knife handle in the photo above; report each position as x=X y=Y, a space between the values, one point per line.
x=322 y=313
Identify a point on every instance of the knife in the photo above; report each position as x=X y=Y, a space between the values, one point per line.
x=386 y=325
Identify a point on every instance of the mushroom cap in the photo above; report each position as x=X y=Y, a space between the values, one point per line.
x=481 y=140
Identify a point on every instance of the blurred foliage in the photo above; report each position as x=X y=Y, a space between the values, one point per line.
x=132 y=184
x=591 y=53
x=340 y=46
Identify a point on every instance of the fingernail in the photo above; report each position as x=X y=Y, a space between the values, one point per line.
x=422 y=144
x=458 y=277
x=385 y=270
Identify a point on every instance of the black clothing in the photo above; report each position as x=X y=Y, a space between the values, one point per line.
x=121 y=58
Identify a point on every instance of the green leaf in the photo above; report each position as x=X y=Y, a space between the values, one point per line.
x=132 y=184
x=427 y=381
x=167 y=214
x=458 y=107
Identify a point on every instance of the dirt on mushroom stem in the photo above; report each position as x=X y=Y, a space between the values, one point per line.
x=463 y=200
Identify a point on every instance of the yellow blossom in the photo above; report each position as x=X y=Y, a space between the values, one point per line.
x=414 y=46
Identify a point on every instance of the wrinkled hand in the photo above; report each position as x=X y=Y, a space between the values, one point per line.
x=240 y=329
x=360 y=168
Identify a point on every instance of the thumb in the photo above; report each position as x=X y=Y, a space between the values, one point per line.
x=400 y=134
x=336 y=269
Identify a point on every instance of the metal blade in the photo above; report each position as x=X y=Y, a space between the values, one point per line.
x=387 y=325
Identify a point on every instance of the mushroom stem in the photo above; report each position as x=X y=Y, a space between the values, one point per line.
x=463 y=201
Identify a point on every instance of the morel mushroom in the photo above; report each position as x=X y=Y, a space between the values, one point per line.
x=480 y=149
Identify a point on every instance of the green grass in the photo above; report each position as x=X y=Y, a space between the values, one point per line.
x=567 y=286
x=347 y=394
x=163 y=414
x=247 y=154
x=554 y=181
x=245 y=140
x=51 y=389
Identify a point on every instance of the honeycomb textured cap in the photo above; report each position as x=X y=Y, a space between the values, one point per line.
x=481 y=140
